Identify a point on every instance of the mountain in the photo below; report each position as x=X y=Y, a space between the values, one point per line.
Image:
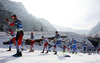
x=3 y=13
x=30 y=22
x=45 y=24
x=68 y=29
x=95 y=29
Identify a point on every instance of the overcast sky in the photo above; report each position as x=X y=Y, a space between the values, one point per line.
x=77 y=14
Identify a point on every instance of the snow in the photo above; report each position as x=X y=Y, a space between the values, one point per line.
x=38 y=57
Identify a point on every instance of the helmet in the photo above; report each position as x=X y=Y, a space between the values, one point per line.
x=56 y=32
x=14 y=16
x=31 y=32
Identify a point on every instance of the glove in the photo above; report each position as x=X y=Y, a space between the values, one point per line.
x=7 y=20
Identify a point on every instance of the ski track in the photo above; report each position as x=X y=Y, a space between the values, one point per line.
x=38 y=57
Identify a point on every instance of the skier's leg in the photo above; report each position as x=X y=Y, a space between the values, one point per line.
x=47 y=47
x=43 y=48
x=30 y=47
x=85 y=50
x=19 y=43
x=73 y=48
x=10 y=45
x=14 y=41
x=56 y=48
x=61 y=45
x=19 y=38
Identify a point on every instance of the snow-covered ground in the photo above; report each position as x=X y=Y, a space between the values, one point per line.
x=37 y=57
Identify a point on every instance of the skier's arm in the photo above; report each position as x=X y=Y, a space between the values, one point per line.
x=9 y=33
x=75 y=42
x=11 y=24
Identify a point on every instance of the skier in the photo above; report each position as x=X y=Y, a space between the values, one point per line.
x=58 y=41
x=73 y=42
x=32 y=42
x=90 y=49
x=46 y=42
x=84 y=47
x=19 y=35
x=12 y=33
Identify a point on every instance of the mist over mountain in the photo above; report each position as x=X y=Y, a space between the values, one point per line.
x=68 y=29
x=30 y=22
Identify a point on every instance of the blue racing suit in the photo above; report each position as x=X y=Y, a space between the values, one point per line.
x=74 y=45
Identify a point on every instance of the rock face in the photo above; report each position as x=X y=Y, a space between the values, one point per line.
x=95 y=30
x=30 y=22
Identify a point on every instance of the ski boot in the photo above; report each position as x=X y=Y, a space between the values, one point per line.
x=42 y=51
x=75 y=52
x=55 y=53
x=15 y=55
x=31 y=50
x=64 y=51
x=53 y=50
x=72 y=52
x=19 y=54
x=47 y=51
x=9 y=50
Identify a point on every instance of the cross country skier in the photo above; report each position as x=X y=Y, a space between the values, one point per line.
x=58 y=41
x=89 y=49
x=32 y=42
x=73 y=42
x=12 y=33
x=46 y=42
x=84 y=47
x=19 y=35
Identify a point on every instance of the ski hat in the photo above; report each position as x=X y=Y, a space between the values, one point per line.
x=42 y=36
x=72 y=38
x=31 y=32
x=56 y=32
x=14 y=16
